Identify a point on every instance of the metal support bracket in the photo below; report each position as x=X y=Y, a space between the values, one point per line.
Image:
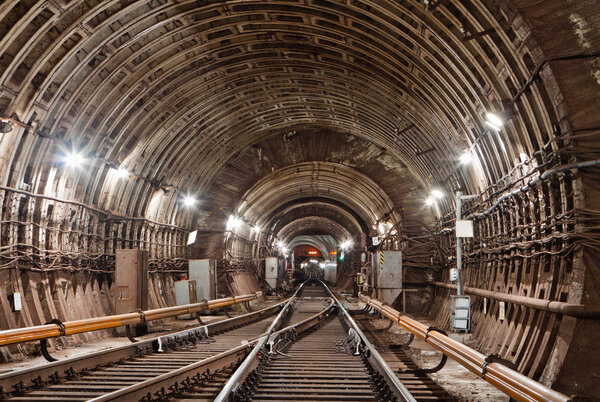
x=435 y=369
x=128 y=327
x=44 y=342
x=495 y=358
x=432 y=328
x=405 y=344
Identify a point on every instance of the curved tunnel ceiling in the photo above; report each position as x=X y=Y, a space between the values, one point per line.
x=225 y=100
x=175 y=91
x=288 y=217
x=316 y=180
x=313 y=226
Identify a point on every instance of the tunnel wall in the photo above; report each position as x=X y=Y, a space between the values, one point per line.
x=66 y=296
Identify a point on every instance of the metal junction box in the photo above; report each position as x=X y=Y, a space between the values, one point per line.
x=131 y=284
x=388 y=275
x=204 y=272
x=185 y=293
x=460 y=313
x=272 y=271
x=330 y=272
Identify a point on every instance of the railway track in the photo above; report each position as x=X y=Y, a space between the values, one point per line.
x=307 y=348
x=103 y=374
x=417 y=380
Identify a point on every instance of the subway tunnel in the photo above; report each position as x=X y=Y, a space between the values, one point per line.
x=237 y=131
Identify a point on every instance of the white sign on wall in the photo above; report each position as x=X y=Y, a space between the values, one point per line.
x=464 y=228
x=17 y=301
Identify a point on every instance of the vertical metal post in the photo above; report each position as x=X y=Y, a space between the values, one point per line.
x=458 y=246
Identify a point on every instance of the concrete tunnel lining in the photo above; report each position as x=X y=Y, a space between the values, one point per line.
x=217 y=100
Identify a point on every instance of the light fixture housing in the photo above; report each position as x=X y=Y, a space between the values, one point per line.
x=346 y=245
x=437 y=193
x=5 y=126
x=233 y=222
x=189 y=200
x=192 y=237
x=74 y=159
x=122 y=173
x=466 y=158
x=494 y=121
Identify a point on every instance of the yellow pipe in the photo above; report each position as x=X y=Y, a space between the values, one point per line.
x=38 y=332
x=507 y=380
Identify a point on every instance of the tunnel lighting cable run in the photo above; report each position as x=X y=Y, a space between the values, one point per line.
x=511 y=382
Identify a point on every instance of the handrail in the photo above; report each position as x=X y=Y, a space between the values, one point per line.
x=507 y=380
x=54 y=330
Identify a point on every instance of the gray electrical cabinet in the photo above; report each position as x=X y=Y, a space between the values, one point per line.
x=388 y=275
x=204 y=272
x=460 y=313
x=272 y=271
x=330 y=272
x=131 y=285
x=185 y=293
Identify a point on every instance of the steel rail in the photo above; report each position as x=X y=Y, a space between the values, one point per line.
x=53 y=330
x=375 y=359
x=511 y=382
x=250 y=362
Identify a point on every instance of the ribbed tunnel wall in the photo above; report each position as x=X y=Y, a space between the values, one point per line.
x=343 y=111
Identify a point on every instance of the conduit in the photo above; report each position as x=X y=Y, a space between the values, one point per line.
x=507 y=380
x=570 y=309
x=54 y=330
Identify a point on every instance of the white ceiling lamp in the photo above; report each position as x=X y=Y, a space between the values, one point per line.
x=466 y=158
x=233 y=223
x=122 y=173
x=346 y=245
x=437 y=193
x=74 y=159
x=189 y=200
x=192 y=237
x=494 y=121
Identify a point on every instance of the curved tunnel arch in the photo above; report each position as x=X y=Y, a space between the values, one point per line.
x=190 y=97
x=322 y=179
x=173 y=15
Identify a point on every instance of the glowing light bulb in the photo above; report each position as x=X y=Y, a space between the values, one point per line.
x=466 y=158
x=188 y=200
x=437 y=193
x=122 y=173
x=494 y=121
x=74 y=159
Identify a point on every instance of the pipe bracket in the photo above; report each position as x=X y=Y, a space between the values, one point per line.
x=495 y=358
x=432 y=328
